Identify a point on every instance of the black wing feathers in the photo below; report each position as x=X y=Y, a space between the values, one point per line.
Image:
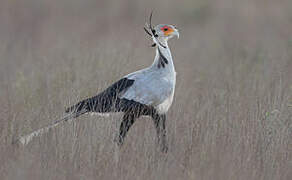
x=104 y=101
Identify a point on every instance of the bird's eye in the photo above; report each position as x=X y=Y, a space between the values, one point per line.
x=165 y=29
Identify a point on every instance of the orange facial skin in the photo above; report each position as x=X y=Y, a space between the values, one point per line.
x=167 y=30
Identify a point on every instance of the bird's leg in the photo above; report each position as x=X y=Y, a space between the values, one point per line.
x=159 y=122
x=127 y=122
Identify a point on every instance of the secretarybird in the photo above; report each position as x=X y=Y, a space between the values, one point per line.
x=147 y=92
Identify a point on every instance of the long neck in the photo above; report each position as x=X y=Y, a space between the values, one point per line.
x=163 y=59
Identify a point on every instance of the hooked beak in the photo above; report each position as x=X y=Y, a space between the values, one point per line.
x=176 y=33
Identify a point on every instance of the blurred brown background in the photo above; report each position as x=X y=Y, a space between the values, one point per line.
x=232 y=113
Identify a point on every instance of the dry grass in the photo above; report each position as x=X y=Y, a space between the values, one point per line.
x=232 y=114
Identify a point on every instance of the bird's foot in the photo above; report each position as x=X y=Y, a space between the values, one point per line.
x=119 y=140
x=164 y=148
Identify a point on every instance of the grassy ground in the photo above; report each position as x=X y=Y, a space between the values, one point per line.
x=232 y=113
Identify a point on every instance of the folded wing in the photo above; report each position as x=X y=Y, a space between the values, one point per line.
x=104 y=101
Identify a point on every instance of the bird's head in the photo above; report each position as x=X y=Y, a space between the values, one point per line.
x=165 y=31
x=160 y=33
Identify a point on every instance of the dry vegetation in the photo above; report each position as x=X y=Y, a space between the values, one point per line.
x=232 y=114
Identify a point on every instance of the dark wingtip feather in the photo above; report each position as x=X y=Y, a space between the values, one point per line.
x=103 y=101
x=67 y=110
x=77 y=107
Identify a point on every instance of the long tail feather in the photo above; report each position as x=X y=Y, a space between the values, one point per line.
x=24 y=140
